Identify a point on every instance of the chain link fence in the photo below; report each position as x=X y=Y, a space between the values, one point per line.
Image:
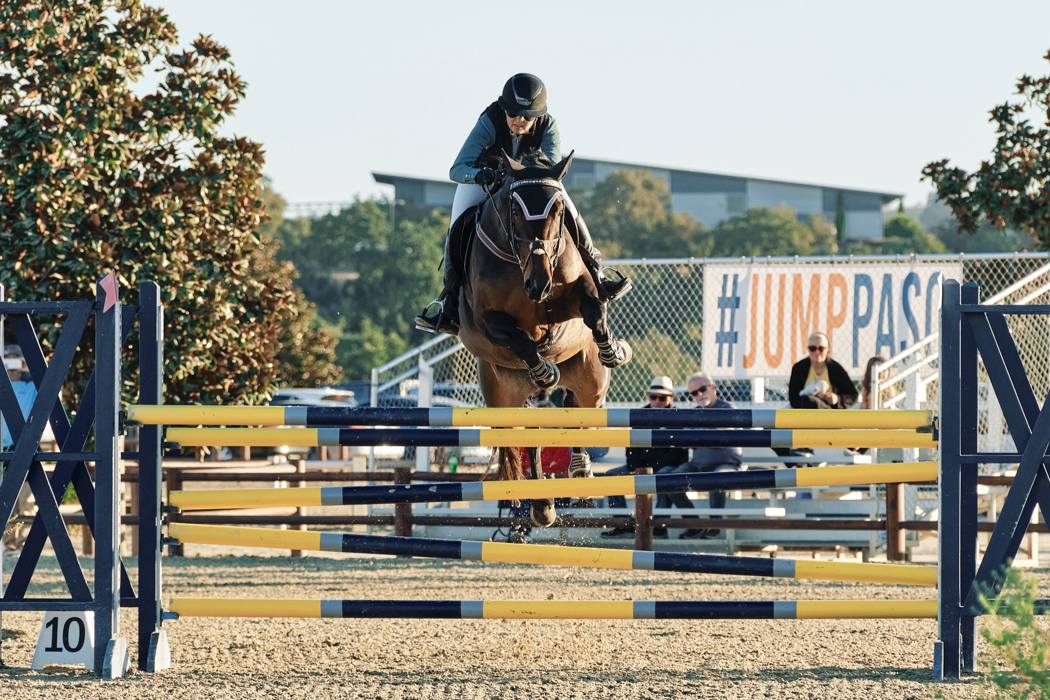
x=663 y=319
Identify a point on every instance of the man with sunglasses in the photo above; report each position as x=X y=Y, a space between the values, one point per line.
x=660 y=395
x=704 y=393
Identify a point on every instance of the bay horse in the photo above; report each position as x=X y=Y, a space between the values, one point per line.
x=529 y=309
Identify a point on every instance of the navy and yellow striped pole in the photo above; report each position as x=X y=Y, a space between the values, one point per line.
x=556 y=609
x=218 y=499
x=545 y=437
x=447 y=417
x=552 y=555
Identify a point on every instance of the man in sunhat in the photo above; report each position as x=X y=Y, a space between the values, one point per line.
x=660 y=395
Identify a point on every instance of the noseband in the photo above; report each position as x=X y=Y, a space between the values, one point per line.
x=538 y=246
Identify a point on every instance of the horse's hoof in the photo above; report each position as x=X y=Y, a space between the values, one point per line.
x=543 y=514
x=615 y=354
x=580 y=465
x=545 y=376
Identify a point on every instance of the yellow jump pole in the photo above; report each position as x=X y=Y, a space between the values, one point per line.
x=552 y=555
x=446 y=417
x=545 y=437
x=556 y=609
x=220 y=499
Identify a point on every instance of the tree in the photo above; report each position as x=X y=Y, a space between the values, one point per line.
x=98 y=173
x=629 y=214
x=1012 y=188
x=760 y=232
x=986 y=238
x=367 y=278
x=307 y=355
x=904 y=235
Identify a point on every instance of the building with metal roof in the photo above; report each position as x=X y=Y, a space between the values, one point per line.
x=709 y=197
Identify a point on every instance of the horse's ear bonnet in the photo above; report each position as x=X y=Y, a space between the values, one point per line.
x=560 y=170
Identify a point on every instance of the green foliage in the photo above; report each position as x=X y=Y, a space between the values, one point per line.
x=629 y=215
x=1012 y=188
x=760 y=232
x=98 y=173
x=984 y=239
x=366 y=278
x=904 y=235
x=1020 y=646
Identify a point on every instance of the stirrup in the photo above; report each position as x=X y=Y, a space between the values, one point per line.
x=436 y=323
x=615 y=284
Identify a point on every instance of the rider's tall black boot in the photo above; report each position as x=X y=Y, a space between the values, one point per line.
x=610 y=288
x=442 y=314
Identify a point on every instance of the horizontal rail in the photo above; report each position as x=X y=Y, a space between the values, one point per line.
x=552 y=488
x=544 y=437
x=446 y=417
x=415 y=352
x=555 y=609
x=553 y=555
x=909 y=370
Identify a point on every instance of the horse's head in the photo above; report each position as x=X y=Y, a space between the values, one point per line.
x=535 y=198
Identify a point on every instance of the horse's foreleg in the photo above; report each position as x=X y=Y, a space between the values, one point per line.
x=501 y=329
x=611 y=352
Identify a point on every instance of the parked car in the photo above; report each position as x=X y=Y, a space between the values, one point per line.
x=323 y=396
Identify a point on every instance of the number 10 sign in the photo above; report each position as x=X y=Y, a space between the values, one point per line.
x=66 y=639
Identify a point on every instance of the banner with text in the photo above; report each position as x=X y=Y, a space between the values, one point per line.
x=757 y=317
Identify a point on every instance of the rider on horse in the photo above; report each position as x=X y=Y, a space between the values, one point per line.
x=515 y=123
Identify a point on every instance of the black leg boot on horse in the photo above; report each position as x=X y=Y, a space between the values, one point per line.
x=442 y=314
x=608 y=288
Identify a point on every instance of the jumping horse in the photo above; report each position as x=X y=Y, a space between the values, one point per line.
x=529 y=309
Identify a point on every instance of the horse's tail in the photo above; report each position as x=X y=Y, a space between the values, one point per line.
x=511 y=467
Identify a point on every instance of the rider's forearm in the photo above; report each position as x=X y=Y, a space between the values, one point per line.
x=481 y=137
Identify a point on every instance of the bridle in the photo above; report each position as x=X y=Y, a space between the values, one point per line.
x=551 y=249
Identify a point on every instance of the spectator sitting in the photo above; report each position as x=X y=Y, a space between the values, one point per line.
x=865 y=397
x=865 y=382
x=25 y=390
x=817 y=381
x=704 y=393
x=661 y=395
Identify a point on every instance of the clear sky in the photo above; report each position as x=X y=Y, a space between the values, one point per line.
x=852 y=94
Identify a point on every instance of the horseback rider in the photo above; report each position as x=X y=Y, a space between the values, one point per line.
x=515 y=123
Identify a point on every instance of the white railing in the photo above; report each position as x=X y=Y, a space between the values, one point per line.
x=924 y=355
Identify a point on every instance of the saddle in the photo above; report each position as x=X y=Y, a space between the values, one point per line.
x=461 y=237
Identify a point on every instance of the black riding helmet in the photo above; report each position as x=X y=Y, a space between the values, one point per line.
x=524 y=95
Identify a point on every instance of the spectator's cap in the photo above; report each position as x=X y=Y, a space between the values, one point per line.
x=661 y=384
x=13 y=358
